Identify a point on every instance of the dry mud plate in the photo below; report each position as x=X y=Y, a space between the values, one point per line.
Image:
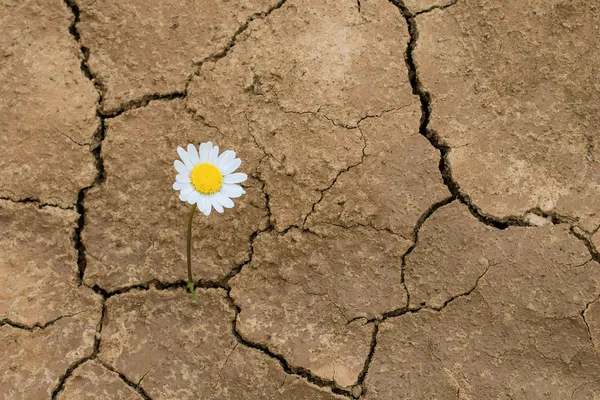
x=421 y=218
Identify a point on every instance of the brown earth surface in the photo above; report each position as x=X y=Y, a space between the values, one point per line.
x=421 y=218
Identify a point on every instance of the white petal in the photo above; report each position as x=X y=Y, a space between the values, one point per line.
x=179 y=185
x=232 y=166
x=203 y=203
x=185 y=158
x=207 y=207
x=193 y=153
x=183 y=197
x=193 y=197
x=225 y=158
x=187 y=190
x=216 y=204
x=205 y=149
x=200 y=202
x=181 y=168
x=183 y=178
x=231 y=190
x=224 y=200
x=214 y=153
x=238 y=177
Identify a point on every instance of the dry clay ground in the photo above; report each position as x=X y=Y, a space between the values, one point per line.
x=421 y=218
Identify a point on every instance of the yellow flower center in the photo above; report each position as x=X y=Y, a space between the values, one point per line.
x=206 y=178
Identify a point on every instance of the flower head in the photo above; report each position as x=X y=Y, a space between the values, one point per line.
x=207 y=179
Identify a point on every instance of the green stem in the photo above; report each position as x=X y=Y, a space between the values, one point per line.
x=189 y=254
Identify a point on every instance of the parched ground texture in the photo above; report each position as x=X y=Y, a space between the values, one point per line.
x=421 y=219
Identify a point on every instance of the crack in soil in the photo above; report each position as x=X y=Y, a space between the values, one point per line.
x=586 y=238
x=464 y=294
x=587 y=325
x=363 y=374
x=96 y=348
x=433 y=137
x=323 y=191
x=415 y=239
x=37 y=325
x=126 y=380
x=240 y=30
x=285 y=365
x=95 y=149
x=141 y=102
x=406 y=310
x=85 y=52
x=436 y=7
x=33 y=200
x=71 y=139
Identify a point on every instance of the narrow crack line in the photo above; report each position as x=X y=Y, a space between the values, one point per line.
x=232 y=42
x=468 y=292
x=96 y=348
x=140 y=103
x=201 y=118
x=33 y=200
x=146 y=373
x=579 y=264
x=37 y=325
x=220 y=372
x=285 y=365
x=332 y=183
x=143 y=394
x=319 y=113
x=436 y=7
x=71 y=139
x=406 y=310
x=381 y=114
x=337 y=307
x=582 y=315
x=366 y=226
x=260 y=147
x=578 y=388
x=279 y=388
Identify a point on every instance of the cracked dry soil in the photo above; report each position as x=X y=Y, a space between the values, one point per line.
x=421 y=220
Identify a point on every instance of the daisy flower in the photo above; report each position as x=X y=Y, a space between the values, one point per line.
x=207 y=179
